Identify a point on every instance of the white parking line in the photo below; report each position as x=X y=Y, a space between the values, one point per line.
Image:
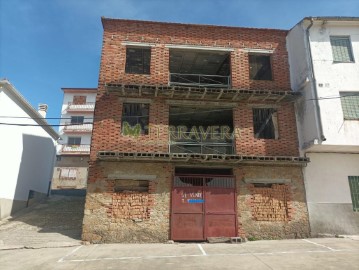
x=205 y=255
x=202 y=250
x=320 y=245
x=72 y=252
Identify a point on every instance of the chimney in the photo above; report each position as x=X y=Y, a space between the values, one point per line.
x=42 y=109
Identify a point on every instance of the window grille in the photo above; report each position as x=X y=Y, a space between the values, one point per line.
x=341 y=48
x=354 y=191
x=350 y=105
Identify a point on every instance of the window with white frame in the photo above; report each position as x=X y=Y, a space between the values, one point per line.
x=68 y=173
x=350 y=105
x=77 y=120
x=342 y=49
x=74 y=141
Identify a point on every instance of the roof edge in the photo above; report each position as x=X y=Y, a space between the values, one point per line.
x=37 y=117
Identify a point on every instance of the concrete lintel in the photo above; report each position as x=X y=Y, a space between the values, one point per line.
x=138 y=44
x=266 y=181
x=136 y=100
x=196 y=47
x=264 y=51
x=274 y=106
x=119 y=176
x=201 y=103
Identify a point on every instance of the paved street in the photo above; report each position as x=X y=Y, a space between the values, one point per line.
x=47 y=236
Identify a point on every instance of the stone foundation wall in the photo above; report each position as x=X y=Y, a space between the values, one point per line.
x=275 y=212
x=128 y=216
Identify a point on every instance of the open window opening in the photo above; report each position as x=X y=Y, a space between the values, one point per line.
x=199 y=68
x=74 y=141
x=260 y=67
x=135 y=119
x=138 y=60
x=201 y=130
x=265 y=123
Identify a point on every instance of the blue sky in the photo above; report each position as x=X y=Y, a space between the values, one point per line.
x=49 y=44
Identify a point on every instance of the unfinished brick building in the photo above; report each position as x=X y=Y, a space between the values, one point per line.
x=194 y=136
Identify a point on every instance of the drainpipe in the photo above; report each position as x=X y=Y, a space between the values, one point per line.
x=314 y=86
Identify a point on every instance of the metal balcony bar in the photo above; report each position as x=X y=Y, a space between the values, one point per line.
x=88 y=106
x=75 y=149
x=199 y=80
x=208 y=145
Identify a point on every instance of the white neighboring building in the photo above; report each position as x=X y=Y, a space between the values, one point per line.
x=324 y=66
x=75 y=130
x=27 y=153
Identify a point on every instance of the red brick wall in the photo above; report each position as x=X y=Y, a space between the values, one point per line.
x=107 y=126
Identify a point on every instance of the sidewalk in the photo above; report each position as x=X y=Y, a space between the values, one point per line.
x=55 y=222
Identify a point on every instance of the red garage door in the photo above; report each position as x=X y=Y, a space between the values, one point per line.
x=203 y=206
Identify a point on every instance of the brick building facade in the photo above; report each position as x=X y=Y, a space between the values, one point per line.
x=194 y=136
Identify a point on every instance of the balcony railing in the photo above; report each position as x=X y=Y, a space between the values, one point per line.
x=80 y=149
x=87 y=107
x=211 y=144
x=199 y=80
x=73 y=128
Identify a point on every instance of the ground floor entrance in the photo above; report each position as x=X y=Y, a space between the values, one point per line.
x=203 y=206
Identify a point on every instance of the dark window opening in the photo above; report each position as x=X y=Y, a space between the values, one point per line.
x=354 y=191
x=77 y=119
x=201 y=130
x=74 y=141
x=135 y=119
x=138 y=60
x=265 y=123
x=131 y=186
x=203 y=171
x=260 y=67
x=199 y=68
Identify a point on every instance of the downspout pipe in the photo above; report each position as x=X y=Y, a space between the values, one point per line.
x=314 y=85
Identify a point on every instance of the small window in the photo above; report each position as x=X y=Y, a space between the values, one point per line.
x=350 y=105
x=131 y=186
x=354 y=191
x=77 y=120
x=135 y=119
x=265 y=123
x=341 y=48
x=74 y=141
x=79 y=100
x=138 y=60
x=260 y=67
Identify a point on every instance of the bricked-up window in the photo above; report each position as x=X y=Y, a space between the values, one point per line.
x=77 y=119
x=341 y=49
x=265 y=123
x=131 y=186
x=260 y=67
x=354 y=191
x=138 y=60
x=270 y=202
x=79 y=100
x=350 y=105
x=135 y=119
x=74 y=141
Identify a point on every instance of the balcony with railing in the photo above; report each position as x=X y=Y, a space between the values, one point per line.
x=199 y=80
x=77 y=128
x=86 y=107
x=79 y=149
x=199 y=68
